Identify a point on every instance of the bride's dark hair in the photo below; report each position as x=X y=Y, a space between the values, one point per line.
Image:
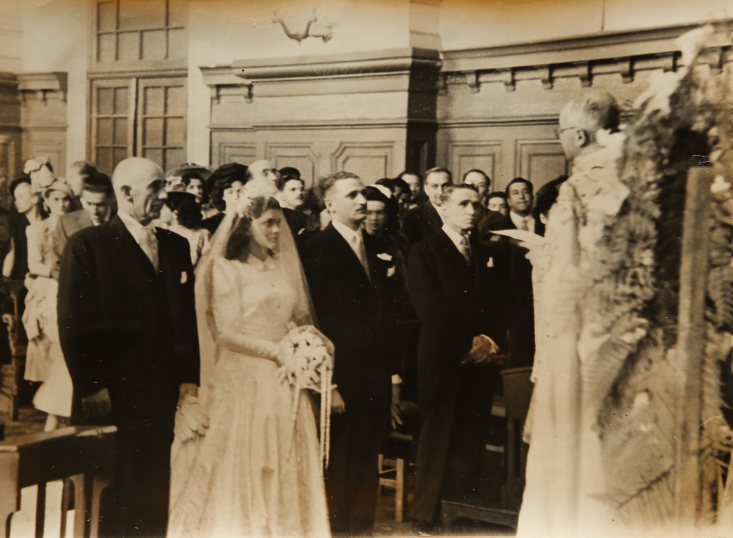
x=240 y=240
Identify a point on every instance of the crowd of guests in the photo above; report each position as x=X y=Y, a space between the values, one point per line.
x=407 y=277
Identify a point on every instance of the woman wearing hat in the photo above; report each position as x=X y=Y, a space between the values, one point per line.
x=44 y=359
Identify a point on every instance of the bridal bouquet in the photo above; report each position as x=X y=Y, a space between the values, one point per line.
x=307 y=363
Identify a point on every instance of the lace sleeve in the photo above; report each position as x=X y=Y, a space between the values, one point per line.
x=225 y=304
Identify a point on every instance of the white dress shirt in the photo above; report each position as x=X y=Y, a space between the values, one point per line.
x=143 y=235
x=355 y=241
x=519 y=221
x=458 y=240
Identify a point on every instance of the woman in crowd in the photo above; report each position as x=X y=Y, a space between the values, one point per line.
x=400 y=192
x=224 y=186
x=181 y=214
x=257 y=470
x=194 y=184
x=44 y=359
x=40 y=171
x=383 y=223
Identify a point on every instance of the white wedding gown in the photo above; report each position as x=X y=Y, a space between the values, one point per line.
x=257 y=471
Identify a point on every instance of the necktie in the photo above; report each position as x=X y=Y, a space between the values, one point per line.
x=361 y=253
x=466 y=250
x=524 y=225
x=149 y=244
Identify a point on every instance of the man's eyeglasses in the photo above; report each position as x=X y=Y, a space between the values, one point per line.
x=559 y=131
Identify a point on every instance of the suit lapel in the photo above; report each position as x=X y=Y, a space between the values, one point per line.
x=375 y=264
x=83 y=220
x=141 y=271
x=343 y=250
x=163 y=258
x=450 y=249
x=432 y=217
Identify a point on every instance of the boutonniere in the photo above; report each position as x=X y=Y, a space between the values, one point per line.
x=384 y=257
x=490 y=263
x=391 y=271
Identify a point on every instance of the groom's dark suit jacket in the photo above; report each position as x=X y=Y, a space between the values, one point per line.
x=353 y=312
x=455 y=301
x=131 y=330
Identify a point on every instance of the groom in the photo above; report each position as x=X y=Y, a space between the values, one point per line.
x=127 y=323
x=347 y=281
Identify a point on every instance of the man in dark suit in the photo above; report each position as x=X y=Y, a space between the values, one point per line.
x=480 y=180
x=415 y=183
x=347 y=281
x=461 y=305
x=127 y=323
x=423 y=221
x=290 y=194
x=520 y=198
x=95 y=198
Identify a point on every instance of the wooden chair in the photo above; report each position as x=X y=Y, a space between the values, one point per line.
x=397 y=455
x=86 y=455
x=517 y=395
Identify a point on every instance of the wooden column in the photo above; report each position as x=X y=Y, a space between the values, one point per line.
x=691 y=341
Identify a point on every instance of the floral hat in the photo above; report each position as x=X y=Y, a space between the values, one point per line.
x=35 y=164
x=59 y=185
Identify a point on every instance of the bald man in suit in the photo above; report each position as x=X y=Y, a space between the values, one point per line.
x=127 y=323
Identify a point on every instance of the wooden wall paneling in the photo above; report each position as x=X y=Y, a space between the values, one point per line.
x=539 y=161
x=300 y=156
x=467 y=155
x=49 y=142
x=369 y=160
x=227 y=146
x=43 y=117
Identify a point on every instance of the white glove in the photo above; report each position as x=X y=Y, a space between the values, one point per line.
x=191 y=419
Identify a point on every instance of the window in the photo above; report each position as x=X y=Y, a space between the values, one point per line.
x=130 y=31
x=138 y=82
x=139 y=116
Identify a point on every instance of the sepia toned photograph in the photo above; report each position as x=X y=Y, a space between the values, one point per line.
x=346 y=268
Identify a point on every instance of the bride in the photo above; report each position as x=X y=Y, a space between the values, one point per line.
x=257 y=469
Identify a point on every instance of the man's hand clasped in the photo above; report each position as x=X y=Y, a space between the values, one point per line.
x=483 y=351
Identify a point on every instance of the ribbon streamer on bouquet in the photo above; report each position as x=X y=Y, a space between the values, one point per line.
x=302 y=371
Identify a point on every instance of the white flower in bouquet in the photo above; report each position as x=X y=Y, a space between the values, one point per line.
x=307 y=364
